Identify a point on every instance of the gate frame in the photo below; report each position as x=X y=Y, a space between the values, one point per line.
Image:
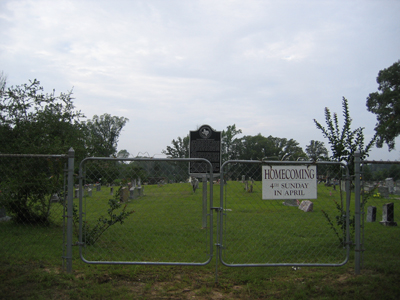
x=210 y=176
x=264 y=162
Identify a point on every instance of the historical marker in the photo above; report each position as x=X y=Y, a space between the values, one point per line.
x=205 y=143
x=289 y=182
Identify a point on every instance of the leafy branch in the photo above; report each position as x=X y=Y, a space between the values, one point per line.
x=92 y=234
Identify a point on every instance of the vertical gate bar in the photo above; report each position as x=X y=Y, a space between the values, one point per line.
x=70 y=207
x=348 y=200
x=357 y=211
x=205 y=212
x=64 y=244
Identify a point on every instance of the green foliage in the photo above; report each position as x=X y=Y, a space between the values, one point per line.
x=246 y=147
x=345 y=142
x=91 y=233
x=28 y=199
x=34 y=122
x=179 y=148
x=260 y=147
x=339 y=225
x=316 y=151
x=102 y=133
x=230 y=144
x=386 y=105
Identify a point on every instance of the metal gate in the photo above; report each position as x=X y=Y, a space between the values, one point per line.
x=255 y=232
x=145 y=211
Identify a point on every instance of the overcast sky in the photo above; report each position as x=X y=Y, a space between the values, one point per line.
x=269 y=67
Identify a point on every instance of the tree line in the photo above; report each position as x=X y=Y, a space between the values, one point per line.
x=34 y=122
x=256 y=147
x=343 y=141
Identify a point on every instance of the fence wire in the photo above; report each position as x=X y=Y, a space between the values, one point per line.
x=144 y=211
x=154 y=212
x=32 y=200
x=380 y=211
x=270 y=232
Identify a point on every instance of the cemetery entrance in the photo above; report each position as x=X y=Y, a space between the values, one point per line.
x=150 y=211
x=286 y=227
x=145 y=211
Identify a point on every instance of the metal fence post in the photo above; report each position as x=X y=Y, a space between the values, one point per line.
x=204 y=180
x=357 y=211
x=70 y=207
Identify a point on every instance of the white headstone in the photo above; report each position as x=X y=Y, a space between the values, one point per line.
x=306 y=206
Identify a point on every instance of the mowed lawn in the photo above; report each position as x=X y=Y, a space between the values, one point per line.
x=167 y=227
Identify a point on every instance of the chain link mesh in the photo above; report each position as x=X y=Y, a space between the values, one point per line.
x=380 y=209
x=163 y=218
x=32 y=198
x=170 y=223
x=257 y=231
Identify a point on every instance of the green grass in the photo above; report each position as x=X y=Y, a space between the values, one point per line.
x=167 y=227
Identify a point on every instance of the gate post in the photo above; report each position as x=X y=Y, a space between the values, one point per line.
x=70 y=207
x=204 y=180
x=357 y=211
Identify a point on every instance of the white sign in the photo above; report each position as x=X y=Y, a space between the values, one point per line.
x=289 y=182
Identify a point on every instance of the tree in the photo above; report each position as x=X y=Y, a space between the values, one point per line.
x=386 y=105
x=269 y=148
x=123 y=153
x=32 y=122
x=230 y=144
x=3 y=81
x=35 y=122
x=179 y=149
x=344 y=143
x=102 y=133
x=316 y=150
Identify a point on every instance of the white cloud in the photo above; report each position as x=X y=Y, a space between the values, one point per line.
x=270 y=67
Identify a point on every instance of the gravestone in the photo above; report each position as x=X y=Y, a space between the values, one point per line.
x=54 y=198
x=250 y=189
x=371 y=214
x=124 y=194
x=76 y=193
x=388 y=215
x=111 y=190
x=90 y=192
x=306 y=206
x=98 y=187
x=396 y=190
x=390 y=185
x=132 y=193
x=195 y=184
x=384 y=191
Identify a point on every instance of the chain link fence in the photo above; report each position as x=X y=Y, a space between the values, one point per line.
x=144 y=211
x=32 y=206
x=150 y=211
x=380 y=211
x=257 y=232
